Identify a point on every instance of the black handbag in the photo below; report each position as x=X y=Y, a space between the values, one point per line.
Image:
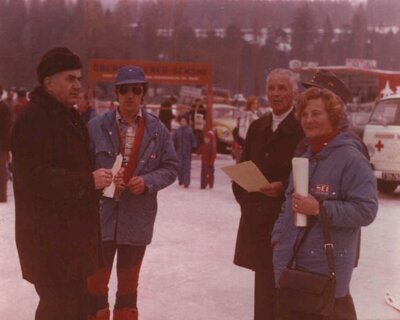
x=309 y=292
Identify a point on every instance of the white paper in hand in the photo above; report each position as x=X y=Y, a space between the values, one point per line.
x=300 y=181
x=109 y=191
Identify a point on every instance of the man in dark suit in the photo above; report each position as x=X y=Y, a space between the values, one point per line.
x=270 y=143
x=56 y=206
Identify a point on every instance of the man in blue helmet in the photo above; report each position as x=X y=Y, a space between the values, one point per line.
x=149 y=164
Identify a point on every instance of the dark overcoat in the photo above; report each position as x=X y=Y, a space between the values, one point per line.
x=57 y=217
x=272 y=152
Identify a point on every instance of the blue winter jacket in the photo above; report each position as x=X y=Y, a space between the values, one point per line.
x=131 y=220
x=184 y=142
x=341 y=177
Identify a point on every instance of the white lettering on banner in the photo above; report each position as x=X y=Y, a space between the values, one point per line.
x=361 y=63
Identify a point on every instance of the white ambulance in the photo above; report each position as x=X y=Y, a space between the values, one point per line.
x=382 y=138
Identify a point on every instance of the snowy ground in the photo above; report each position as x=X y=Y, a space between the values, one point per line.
x=188 y=273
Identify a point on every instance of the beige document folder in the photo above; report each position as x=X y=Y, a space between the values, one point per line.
x=247 y=175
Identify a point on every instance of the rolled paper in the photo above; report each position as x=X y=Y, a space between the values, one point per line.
x=300 y=181
x=109 y=191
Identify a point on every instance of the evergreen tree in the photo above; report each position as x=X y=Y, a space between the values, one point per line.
x=303 y=33
x=233 y=55
x=326 y=48
x=358 y=34
x=14 y=27
x=3 y=11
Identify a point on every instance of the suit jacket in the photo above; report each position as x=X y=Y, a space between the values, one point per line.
x=272 y=152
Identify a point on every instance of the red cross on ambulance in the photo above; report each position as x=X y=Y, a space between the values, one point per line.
x=379 y=145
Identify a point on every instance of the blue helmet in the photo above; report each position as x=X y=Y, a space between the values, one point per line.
x=130 y=75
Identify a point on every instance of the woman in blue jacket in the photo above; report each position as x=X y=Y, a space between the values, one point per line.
x=341 y=180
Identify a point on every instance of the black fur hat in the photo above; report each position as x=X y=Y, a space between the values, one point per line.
x=57 y=60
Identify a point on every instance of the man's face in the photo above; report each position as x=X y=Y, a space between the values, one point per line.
x=280 y=93
x=130 y=97
x=65 y=86
x=183 y=122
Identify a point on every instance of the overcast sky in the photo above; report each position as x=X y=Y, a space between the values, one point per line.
x=110 y=3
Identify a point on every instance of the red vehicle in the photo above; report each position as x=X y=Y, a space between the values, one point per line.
x=365 y=84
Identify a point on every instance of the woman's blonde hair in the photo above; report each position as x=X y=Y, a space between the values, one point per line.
x=333 y=105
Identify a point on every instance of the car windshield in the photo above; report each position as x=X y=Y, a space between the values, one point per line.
x=226 y=113
x=386 y=113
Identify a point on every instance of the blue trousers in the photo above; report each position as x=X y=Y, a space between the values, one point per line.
x=184 y=170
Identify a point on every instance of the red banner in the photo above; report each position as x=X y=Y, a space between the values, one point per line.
x=103 y=70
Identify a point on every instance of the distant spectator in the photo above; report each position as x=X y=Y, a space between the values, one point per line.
x=185 y=142
x=5 y=125
x=198 y=116
x=22 y=102
x=2 y=94
x=208 y=153
x=11 y=99
x=165 y=114
x=247 y=116
x=85 y=110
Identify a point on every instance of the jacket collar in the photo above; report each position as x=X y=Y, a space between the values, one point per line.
x=286 y=127
x=68 y=116
x=342 y=139
x=110 y=121
x=47 y=101
x=150 y=129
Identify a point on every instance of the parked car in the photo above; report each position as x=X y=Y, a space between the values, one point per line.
x=382 y=138
x=224 y=121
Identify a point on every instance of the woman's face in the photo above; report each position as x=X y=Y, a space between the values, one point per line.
x=315 y=120
x=254 y=106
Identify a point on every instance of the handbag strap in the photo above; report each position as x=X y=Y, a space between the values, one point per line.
x=328 y=245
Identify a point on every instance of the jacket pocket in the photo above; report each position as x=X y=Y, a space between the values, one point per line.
x=151 y=157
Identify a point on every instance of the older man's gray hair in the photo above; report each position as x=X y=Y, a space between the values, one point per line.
x=293 y=77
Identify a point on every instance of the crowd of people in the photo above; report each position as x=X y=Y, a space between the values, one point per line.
x=68 y=229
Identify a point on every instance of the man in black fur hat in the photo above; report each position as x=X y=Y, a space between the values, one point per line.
x=56 y=205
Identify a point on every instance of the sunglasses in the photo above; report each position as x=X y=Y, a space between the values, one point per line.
x=124 y=89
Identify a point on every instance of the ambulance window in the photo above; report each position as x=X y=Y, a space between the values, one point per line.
x=386 y=113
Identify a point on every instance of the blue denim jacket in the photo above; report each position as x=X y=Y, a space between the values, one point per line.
x=131 y=220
